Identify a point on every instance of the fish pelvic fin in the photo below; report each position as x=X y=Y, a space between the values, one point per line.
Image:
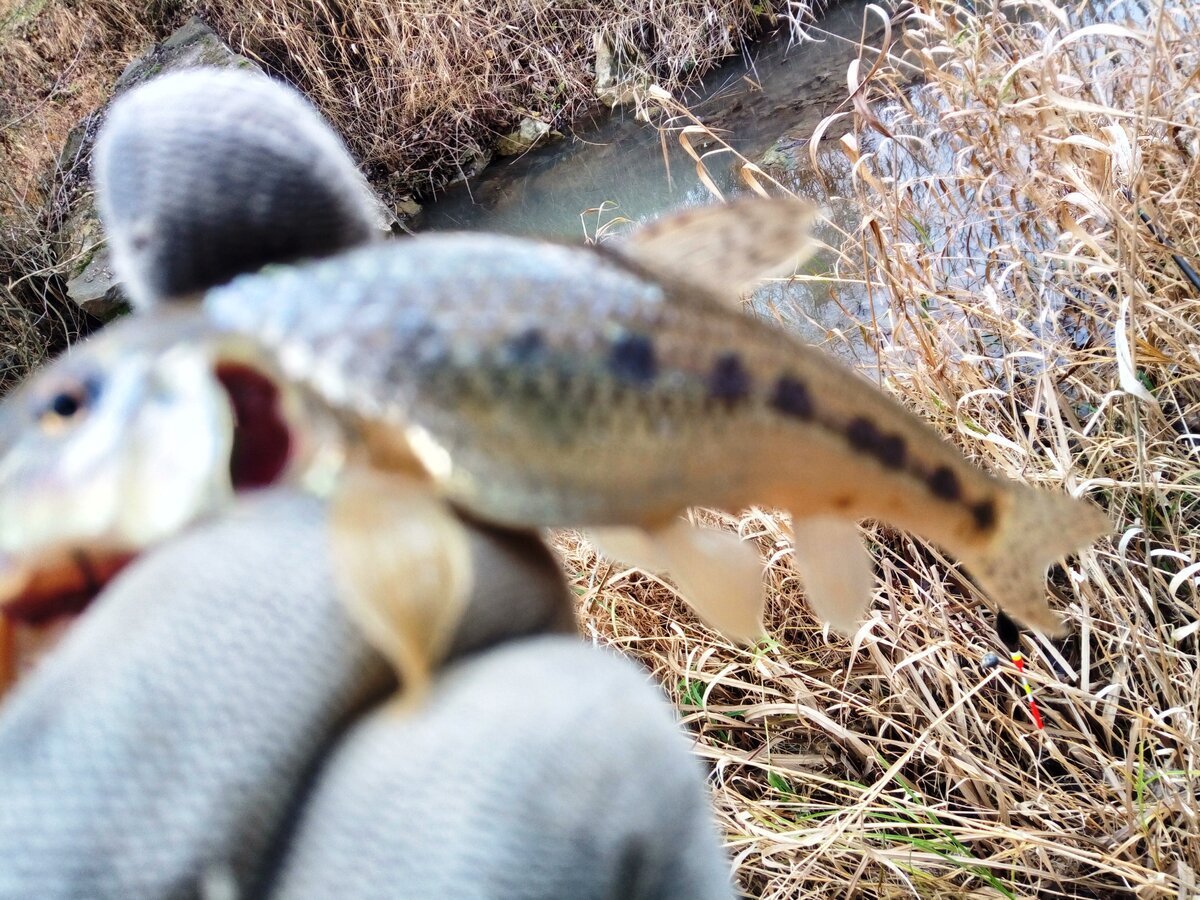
x=402 y=564
x=836 y=569
x=726 y=248
x=719 y=574
x=1037 y=529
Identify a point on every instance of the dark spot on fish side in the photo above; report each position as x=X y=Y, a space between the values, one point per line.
x=862 y=434
x=419 y=350
x=262 y=442
x=526 y=346
x=944 y=483
x=633 y=359
x=843 y=502
x=890 y=450
x=420 y=336
x=791 y=398
x=729 y=382
x=985 y=514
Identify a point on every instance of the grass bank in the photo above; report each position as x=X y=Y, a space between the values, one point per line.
x=1001 y=166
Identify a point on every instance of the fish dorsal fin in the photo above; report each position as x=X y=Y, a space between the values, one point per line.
x=725 y=248
x=836 y=569
x=403 y=567
x=718 y=574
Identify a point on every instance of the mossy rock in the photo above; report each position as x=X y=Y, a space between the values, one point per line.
x=530 y=133
x=194 y=44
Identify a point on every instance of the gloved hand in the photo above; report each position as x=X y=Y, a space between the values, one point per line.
x=214 y=726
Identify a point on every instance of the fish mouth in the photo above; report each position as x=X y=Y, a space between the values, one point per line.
x=60 y=584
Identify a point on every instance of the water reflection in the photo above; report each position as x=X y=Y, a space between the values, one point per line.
x=622 y=169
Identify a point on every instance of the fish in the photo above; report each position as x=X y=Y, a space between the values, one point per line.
x=526 y=384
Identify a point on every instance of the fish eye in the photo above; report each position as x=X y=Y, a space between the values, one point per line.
x=65 y=405
x=68 y=402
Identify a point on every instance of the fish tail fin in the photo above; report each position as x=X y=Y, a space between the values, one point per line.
x=1037 y=529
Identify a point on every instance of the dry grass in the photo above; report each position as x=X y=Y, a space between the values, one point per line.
x=423 y=88
x=59 y=61
x=1021 y=306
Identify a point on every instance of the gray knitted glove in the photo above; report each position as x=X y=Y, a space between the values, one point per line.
x=205 y=174
x=197 y=733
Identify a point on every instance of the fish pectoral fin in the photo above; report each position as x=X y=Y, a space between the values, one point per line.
x=726 y=248
x=718 y=573
x=634 y=546
x=402 y=564
x=836 y=569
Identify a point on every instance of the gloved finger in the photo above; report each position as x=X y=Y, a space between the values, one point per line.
x=542 y=768
x=168 y=730
x=208 y=173
x=160 y=744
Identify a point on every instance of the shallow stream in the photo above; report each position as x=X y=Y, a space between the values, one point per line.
x=617 y=167
x=616 y=163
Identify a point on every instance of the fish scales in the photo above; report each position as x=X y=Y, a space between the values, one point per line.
x=558 y=386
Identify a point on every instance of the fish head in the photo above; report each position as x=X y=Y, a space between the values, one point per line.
x=120 y=444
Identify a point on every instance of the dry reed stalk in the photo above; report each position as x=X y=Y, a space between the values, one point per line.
x=1018 y=303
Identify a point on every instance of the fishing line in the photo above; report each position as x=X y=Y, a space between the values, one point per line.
x=1183 y=265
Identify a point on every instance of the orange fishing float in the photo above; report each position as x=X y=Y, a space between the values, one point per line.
x=1010 y=636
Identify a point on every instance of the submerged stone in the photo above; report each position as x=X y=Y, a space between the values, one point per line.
x=530 y=133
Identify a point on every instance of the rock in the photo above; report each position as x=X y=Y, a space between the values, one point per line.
x=91 y=283
x=615 y=84
x=471 y=164
x=407 y=207
x=786 y=156
x=529 y=134
x=194 y=44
